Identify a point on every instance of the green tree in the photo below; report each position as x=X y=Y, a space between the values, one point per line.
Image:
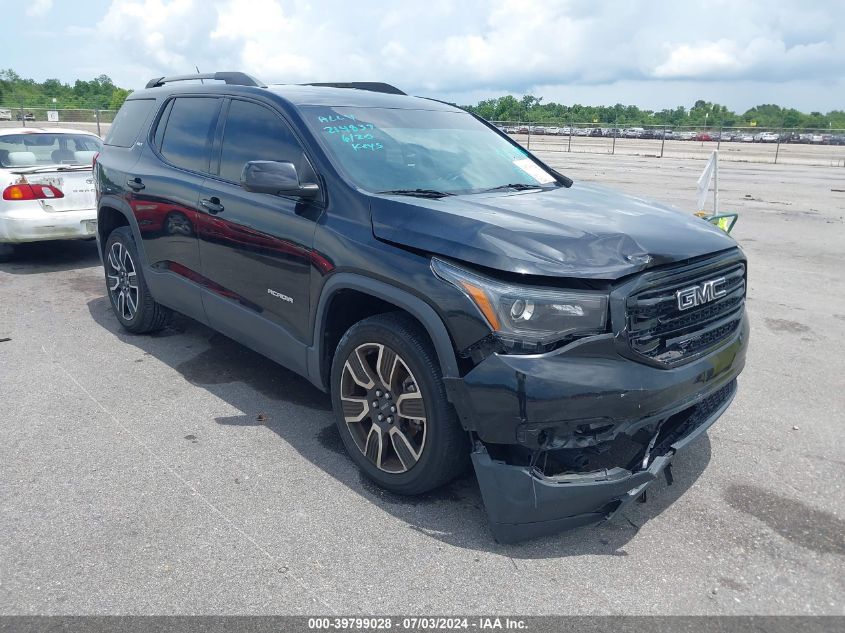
x=534 y=109
x=100 y=92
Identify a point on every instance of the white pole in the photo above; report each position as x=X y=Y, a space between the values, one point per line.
x=716 y=182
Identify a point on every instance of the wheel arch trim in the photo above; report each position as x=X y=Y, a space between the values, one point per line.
x=413 y=305
x=121 y=206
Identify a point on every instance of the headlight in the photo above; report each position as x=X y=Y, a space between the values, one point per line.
x=524 y=317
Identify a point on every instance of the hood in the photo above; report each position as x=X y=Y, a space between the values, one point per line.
x=585 y=231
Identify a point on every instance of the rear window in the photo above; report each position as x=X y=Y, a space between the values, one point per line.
x=37 y=149
x=128 y=122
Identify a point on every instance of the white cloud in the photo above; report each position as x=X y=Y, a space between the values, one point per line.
x=444 y=47
x=761 y=56
x=155 y=33
x=38 y=8
x=698 y=60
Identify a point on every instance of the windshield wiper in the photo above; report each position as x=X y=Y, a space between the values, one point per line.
x=516 y=186
x=419 y=193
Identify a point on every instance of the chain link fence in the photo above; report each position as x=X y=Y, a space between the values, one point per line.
x=823 y=147
x=743 y=144
x=90 y=120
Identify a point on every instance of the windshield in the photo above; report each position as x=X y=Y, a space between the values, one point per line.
x=35 y=149
x=389 y=150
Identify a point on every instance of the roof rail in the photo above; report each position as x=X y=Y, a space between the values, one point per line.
x=372 y=86
x=231 y=78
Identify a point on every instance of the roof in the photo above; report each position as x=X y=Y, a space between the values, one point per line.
x=325 y=96
x=301 y=95
x=6 y=131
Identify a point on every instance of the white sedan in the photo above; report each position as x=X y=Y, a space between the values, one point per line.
x=48 y=186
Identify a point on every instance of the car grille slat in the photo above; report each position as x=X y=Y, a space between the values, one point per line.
x=660 y=331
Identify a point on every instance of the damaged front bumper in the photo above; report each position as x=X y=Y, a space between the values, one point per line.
x=522 y=502
x=571 y=437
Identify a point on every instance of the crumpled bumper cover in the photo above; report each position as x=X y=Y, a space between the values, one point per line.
x=522 y=503
x=514 y=399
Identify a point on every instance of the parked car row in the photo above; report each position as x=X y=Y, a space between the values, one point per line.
x=814 y=138
x=732 y=135
x=785 y=137
x=6 y=115
x=563 y=131
x=631 y=132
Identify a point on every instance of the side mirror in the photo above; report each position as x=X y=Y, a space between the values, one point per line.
x=276 y=178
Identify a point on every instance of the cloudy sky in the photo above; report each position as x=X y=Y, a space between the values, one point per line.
x=651 y=53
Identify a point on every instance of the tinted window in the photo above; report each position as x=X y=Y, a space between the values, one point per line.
x=188 y=129
x=128 y=122
x=162 y=123
x=253 y=132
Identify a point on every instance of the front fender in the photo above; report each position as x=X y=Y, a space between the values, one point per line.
x=401 y=298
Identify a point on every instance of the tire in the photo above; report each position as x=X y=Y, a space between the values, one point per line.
x=7 y=252
x=410 y=456
x=130 y=298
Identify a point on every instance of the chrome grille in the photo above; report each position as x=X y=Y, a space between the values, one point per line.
x=660 y=331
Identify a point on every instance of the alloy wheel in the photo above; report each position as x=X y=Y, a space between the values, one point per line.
x=122 y=281
x=383 y=407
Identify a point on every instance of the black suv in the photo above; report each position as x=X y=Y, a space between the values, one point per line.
x=455 y=295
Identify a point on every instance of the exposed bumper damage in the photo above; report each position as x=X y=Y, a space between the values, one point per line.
x=570 y=438
x=562 y=489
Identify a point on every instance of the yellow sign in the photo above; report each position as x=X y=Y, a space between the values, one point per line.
x=754 y=124
x=724 y=224
x=595 y=120
x=725 y=221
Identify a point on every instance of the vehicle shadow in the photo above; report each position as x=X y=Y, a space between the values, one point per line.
x=453 y=514
x=55 y=256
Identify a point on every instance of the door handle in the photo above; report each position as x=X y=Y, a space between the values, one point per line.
x=135 y=184
x=212 y=205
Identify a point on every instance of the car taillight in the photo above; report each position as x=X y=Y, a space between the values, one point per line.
x=31 y=192
x=94 y=160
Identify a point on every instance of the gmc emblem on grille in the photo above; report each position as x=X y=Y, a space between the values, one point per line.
x=701 y=294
